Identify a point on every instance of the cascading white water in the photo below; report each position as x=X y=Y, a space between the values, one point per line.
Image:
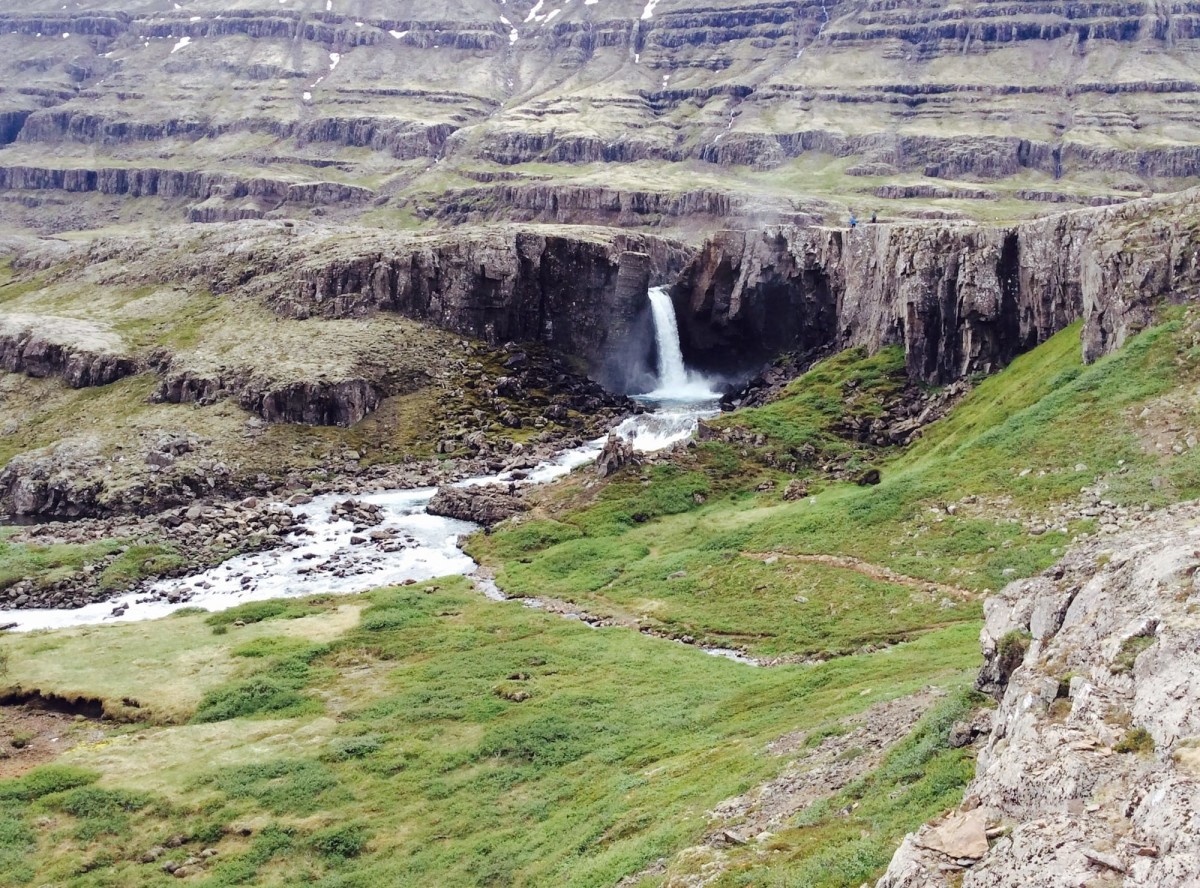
x=675 y=383
x=420 y=546
x=671 y=372
x=327 y=558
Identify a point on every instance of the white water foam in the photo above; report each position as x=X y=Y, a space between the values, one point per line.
x=409 y=544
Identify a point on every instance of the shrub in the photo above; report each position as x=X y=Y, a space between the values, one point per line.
x=1130 y=650
x=273 y=689
x=251 y=612
x=283 y=786
x=543 y=740
x=340 y=842
x=1135 y=740
x=255 y=695
x=346 y=748
x=91 y=801
x=45 y=780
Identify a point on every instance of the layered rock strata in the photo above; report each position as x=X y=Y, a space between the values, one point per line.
x=931 y=88
x=581 y=291
x=961 y=299
x=80 y=353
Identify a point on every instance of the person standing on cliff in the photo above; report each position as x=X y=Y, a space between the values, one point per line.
x=853 y=221
x=874 y=217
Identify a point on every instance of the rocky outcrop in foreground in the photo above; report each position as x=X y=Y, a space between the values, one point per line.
x=1091 y=773
x=961 y=298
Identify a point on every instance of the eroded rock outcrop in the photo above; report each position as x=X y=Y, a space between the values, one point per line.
x=336 y=402
x=81 y=353
x=486 y=505
x=1091 y=772
x=199 y=185
x=960 y=298
x=579 y=290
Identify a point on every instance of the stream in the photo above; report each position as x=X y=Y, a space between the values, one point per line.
x=327 y=555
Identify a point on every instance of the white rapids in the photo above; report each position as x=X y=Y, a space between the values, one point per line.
x=409 y=544
x=675 y=382
x=328 y=556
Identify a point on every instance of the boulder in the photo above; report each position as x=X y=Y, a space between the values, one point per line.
x=616 y=453
x=485 y=504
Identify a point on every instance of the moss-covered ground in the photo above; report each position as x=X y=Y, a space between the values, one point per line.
x=398 y=751
x=716 y=566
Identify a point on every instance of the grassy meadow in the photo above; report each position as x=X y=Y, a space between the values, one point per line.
x=424 y=735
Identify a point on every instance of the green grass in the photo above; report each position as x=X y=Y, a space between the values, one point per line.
x=849 y=385
x=138 y=562
x=849 y=839
x=161 y=672
x=430 y=775
x=1027 y=438
x=423 y=735
x=48 y=564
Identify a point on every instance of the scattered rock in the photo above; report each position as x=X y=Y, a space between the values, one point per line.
x=959 y=836
x=795 y=490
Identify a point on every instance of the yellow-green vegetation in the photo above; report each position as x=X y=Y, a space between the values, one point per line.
x=810 y=411
x=134 y=561
x=407 y=763
x=424 y=735
x=160 y=672
x=1130 y=650
x=842 y=840
x=1135 y=740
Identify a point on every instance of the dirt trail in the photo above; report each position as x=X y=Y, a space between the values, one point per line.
x=867 y=569
x=30 y=737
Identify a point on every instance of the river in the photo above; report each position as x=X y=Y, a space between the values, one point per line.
x=328 y=556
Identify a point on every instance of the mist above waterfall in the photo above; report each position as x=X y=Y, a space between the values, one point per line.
x=675 y=381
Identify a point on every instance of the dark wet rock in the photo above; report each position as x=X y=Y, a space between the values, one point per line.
x=80 y=353
x=868 y=478
x=961 y=299
x=615 y=455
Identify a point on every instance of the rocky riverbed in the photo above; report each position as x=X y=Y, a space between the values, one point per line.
x=355 y=532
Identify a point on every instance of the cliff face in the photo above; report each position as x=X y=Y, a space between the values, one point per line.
x=581 y=291
x=580 y=295
x=961 y=299
x=260 y=195
x=1091 y=773
x=79 y=353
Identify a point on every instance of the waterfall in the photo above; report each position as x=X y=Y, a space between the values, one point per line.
x=675 y=382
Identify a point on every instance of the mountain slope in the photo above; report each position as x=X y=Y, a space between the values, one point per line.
x=570 y=111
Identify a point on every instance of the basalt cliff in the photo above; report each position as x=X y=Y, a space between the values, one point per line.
x=961 y=299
